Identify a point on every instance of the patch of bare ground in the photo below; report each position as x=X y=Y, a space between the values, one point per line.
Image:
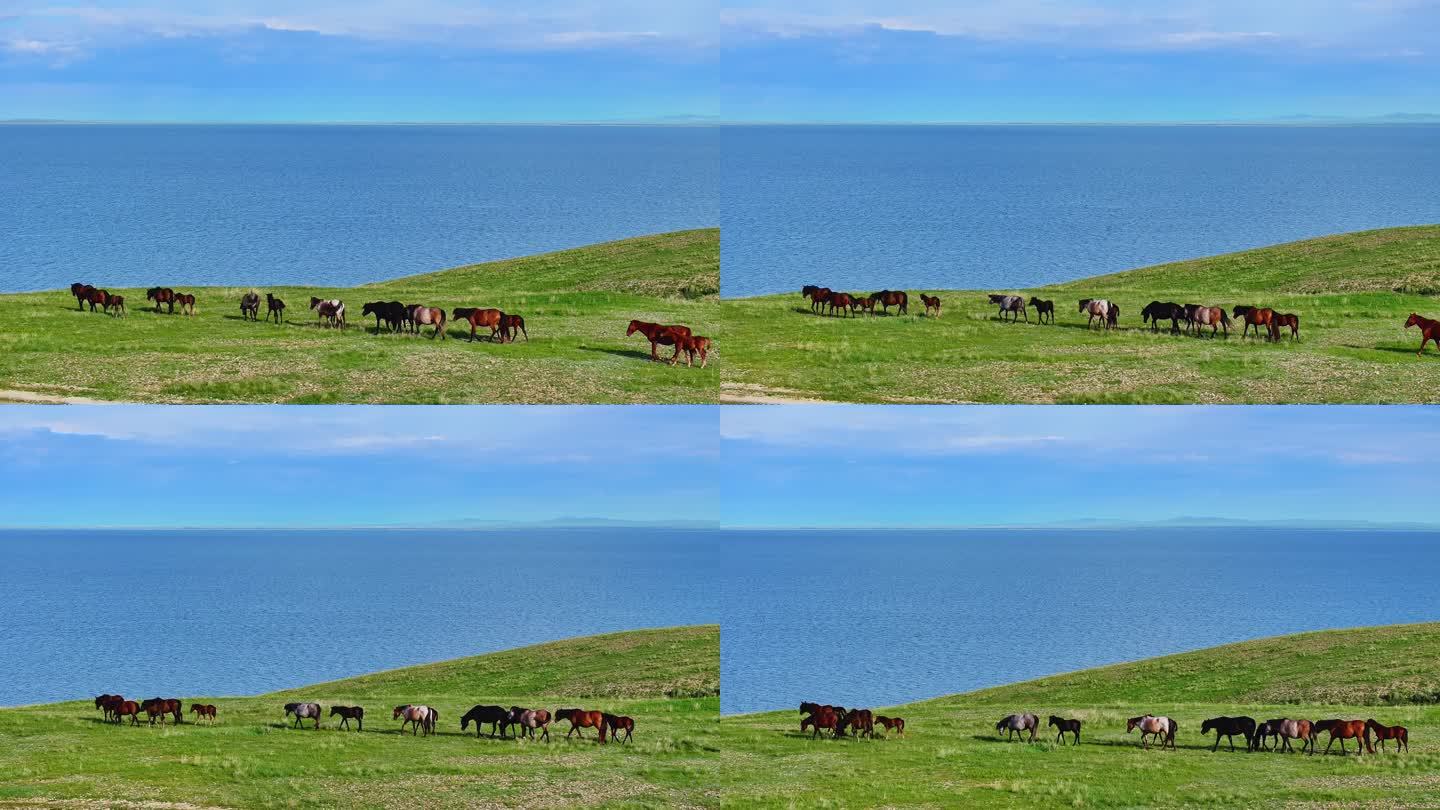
x=748 y=393
x=121 y=804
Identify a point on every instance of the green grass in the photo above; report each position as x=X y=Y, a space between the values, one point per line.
x=62 y=755
x=1352 y=291
x=951 y=755
x=576 y=304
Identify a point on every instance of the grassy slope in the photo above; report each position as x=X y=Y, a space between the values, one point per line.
x=951 y=754
x=1352 y=291
x=667 y=679
x=576 y=305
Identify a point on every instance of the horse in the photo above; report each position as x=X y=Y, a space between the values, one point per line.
x=1228 y=727
x=159 y=707
x=1266 y=731
x=1065 y=727
x=658 y=334
x=866 y=303
x=161 y=295
x=691 y=345
x=421 y=315
x=98 y=298
x=817 y=295
x=303 y=711
x=250 y=306
x=931 y=302
x=579 y=718
x=511 y=325
x=1012 y=724
x=1343 y=730
x=328 y=310
x=391 y=312
x=116 y=303
x=1257 y=317
x=1155 y=312
x=617 y=723
x=273 y=306
x=126 y=708
x=1291 y=320
x=1287 y=730
x=843 y=301
x=81 y=291
x=186 y=302
x=348 y=713
x=530 y=719
x=1399 y=734
x=1096 y=308
x=1429 y=330
x=895 y=724
x=1113 y=320
x=1010 y=303
x=420 y=718
x=1213 y=317
x=205 y=710
x=824 y=719
x=861 y=720
x=497 y=716
x=1043 y=308
x=892 y=298
x=102 y=702
x=1163 y=728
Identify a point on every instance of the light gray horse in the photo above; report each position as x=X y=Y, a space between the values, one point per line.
x=1019 y=723
x=530 y=719
x=303 y=711
x=1010 y=303
x=420 y=718
x=1096 y=308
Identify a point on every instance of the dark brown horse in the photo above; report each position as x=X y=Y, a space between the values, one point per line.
x=116 y=305
x=817 y=295
x=1064 y=727
x=1343 y=730
x=250 y=306
x=1429 y=330
x=657 y=334
x=932 y=302
x=348 y=713
x=579 y=718
x=865 y=303
x=895 y=724
x=497 y=716
x=823 y=718
x=161 y=295
x=512 y=325
x=159 y=707
x=1229 y=728
x=893 y=298
x=1257 y=317
x=617 y=723
x=205 y=710
x=1283 y=320
x=273 y=306
x=691 y=345
x=1043 y=309
x=861 y=722
x=126 y=708
x=81 y=291
x=186 y=302
x=97 y=298
x=1399 y=734
x=842 y=301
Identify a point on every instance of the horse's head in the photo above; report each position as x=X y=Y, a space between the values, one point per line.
x=1085 y=302
x=633 y=328
x=808 y=290
x=1412 y=320
x=314 y=302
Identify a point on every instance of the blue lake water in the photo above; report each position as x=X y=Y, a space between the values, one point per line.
x=877 y=618
x=217 y=613
x=987 y=207
x=332 y=205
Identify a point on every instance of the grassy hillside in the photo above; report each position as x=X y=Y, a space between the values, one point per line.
x=576 y=304
x=1352 y=291
x=668 y=680
x=951 y=754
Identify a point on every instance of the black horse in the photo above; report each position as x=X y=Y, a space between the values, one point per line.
x=1266 y=732
x=1043 y=308
x=1065 y=727
x=348 y=713
x=393 y=313
x=273 y=306
x=1228 y=727
x=1155 y=312
x=498 y=718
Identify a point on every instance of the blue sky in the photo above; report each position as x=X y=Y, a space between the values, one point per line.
x=802 y=60
x=353 y=465
x=834 y=466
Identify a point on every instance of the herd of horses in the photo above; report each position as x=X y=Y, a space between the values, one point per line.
x=677 y=335
x=420 y=719
x=1271 y=735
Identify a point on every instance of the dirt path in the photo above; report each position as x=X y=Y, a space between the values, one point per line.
x=47 y=399
x=744 y=394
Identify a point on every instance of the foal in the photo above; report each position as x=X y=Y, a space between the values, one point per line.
x=931 y=302
x=1065 y=727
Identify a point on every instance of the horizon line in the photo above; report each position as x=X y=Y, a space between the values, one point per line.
x=698 y=120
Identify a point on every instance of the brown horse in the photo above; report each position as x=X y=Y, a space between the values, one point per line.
x=1343 y=730
x=1096 y=308
x=116 y=305
x=1257 y=317
x=893 y=298
x=862 y=721
x=931 y=302
x=895 y=724
x=1399 y=734
x=126 y=708
x=1292 y=321
x=658 y=334
x=107 y=703
x=98 y=298
x=579 y=718
x=691 y=345
x=477 y=318
x=865 y=303
x=161 y=295
x=186 y=302
x=617 y=723
x=512 y=325
x=205 y=710
x=159 y=707
x=843 y=301
x=1288 y=730
x=421 y=315
x=824 y=718
x=1429 y=330
x=817 y=295
x=81 y=291
x=1213 y=317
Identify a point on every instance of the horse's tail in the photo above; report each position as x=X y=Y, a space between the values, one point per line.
x=1224 y=316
